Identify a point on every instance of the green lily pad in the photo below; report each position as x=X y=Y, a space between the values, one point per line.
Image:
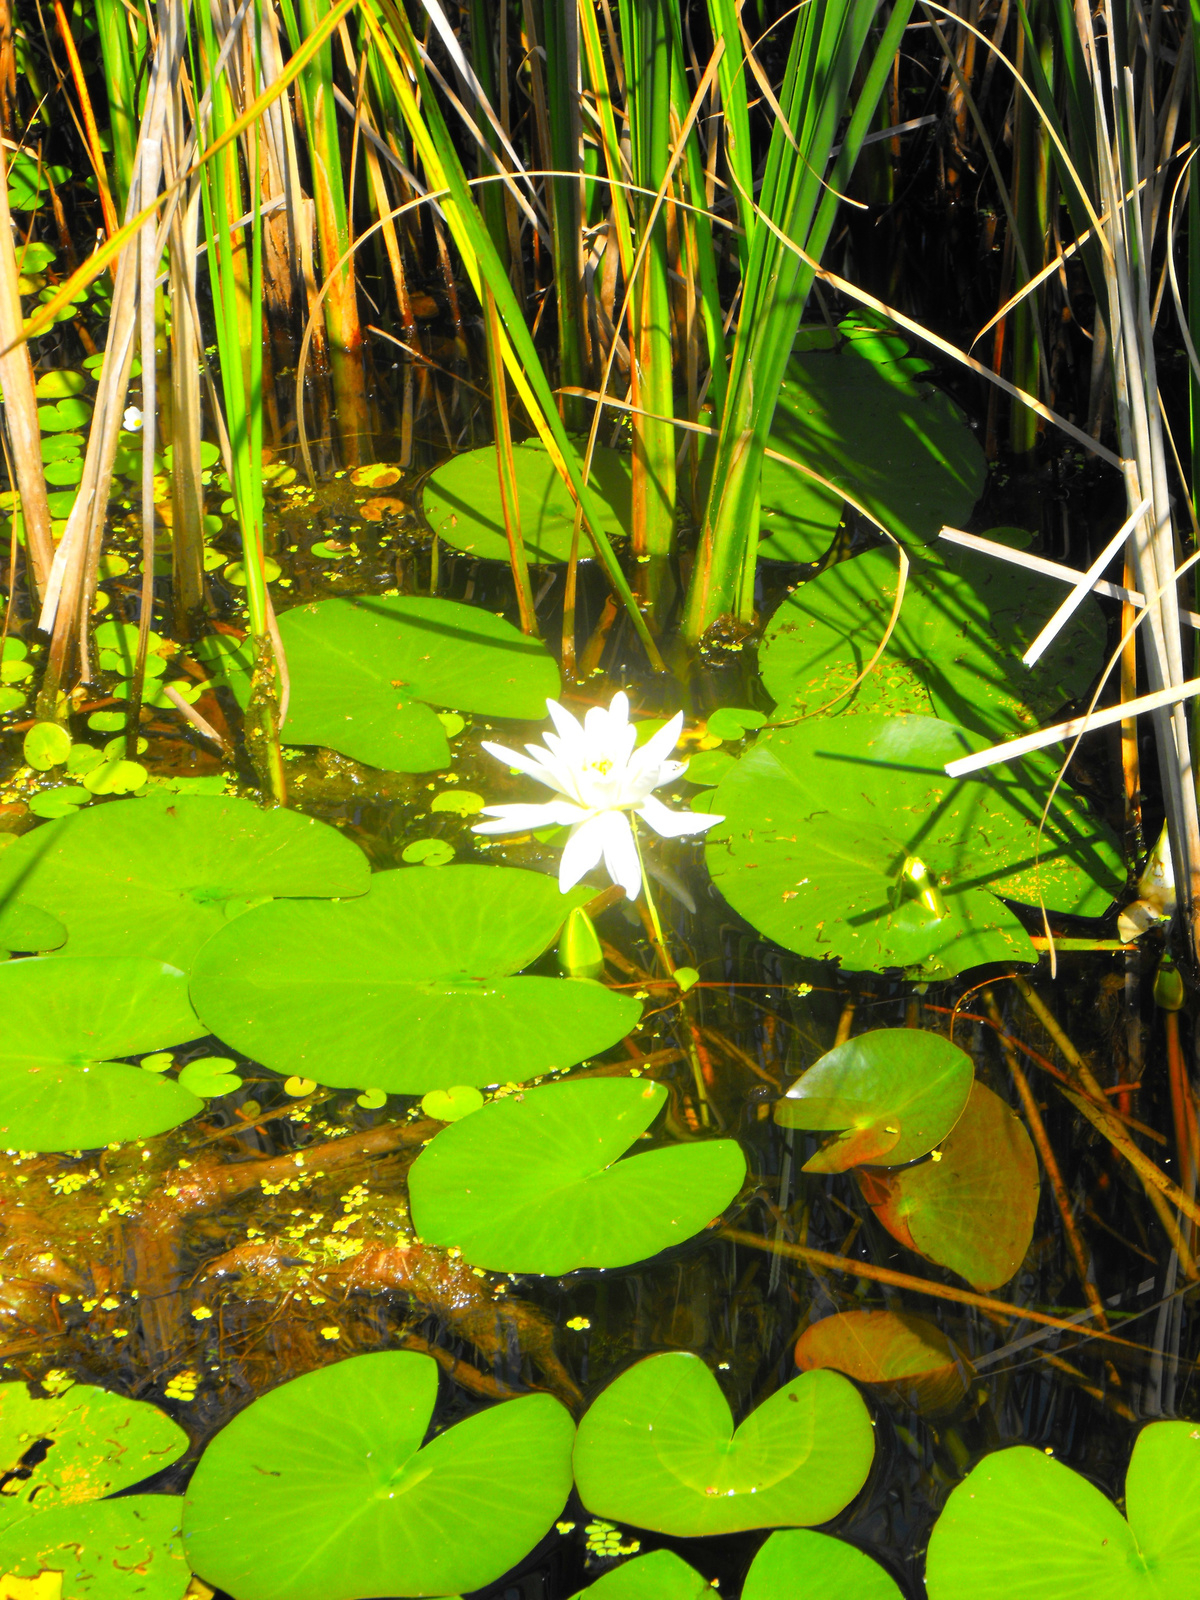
x=117 y=644
x=26 y=928
x=903 y=1355
x=428 y=852
x=46 y=745
x=362 y=671
x=66 y=472
x=924 y=467
x=971 y=1206
x=152 y=876
x=532 y=1183
x=406 y=989
x=451 y=1105
x=1021 y=1526
x=833 y=827
x=208 y=1077
x=461 y=502
x=58 y=383
x=11 y=699
x=459 y=802
x=64 y=1017
x=109 y=1550
x=77 y=1446
x=955 y=653
x=732 y=722
x=708 y=768
x=229 y=662
x=328 y=1473
x=72 y=412
x=798 y=1562
x=78 y=1009
x=661 y=1575
x=658 y=1449
x=51 y=803
x=890 y=1095
x=84 y=1108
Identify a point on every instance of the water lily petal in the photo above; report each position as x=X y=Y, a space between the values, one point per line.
x=582 y=851
x=654 y=753
x=673 y=824
x=524 y=818
x=620 y=853
x=531 y=765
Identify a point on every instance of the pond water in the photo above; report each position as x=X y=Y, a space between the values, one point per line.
x=281 y=1179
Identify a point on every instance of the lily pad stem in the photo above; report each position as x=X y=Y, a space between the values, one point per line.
x=660 y=945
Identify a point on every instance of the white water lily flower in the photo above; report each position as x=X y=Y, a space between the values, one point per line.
x=132 y=419
x=600 y=778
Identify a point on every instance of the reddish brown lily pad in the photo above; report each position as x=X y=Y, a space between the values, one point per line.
x=904 y=1356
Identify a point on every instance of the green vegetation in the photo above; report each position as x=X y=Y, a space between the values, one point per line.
x=592 y=644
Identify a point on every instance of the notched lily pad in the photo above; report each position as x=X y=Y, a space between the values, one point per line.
x=890 y=1095
x=661 y=1575
x=903 y=1355
x=955 y=652
x=329 y=1474
x=365 y=673
x=844 y=838
x=1023 y=1524
x=409 y=988
x=971 y=1206
x=109 y=1550
x=658 y=1449
x=924 y=466
x=461 y=501
x=152 y=876
x=798 y=1563
x=76 y=1446
x=533 y=1183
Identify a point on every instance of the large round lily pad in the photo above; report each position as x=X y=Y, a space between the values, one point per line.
x=461 y=501
x=662 y=1575
x=76 y=1446
x=890 y=1095
x=903 y=1355
x=1022 y=1526
x=840 y=835
x=327 y=1477
x=971 y=1206
x=109 y=1550
x=532 y=1183
x=861 y=415
x=156 y=877
x=955 y=652
x=364 y=673
x=798 y=1562
x=405 y=989
x=658 y=1449
x=83 y=1108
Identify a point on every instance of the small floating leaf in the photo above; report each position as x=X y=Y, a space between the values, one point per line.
x=46 y=745
x=109 y=1550
x=407 y=989
x=532 y=1183
x=376 y=475
x=658 y=1449
x=896 y=1351
x=731 y=722
x=891 y=1095
x=208 y=1077
x=98 y=1443
x=1022 y=1524
x=460 y=802
x=973 y=1208
x=373 y=1099
x=428 y=852
x=328 y=1473
x=798 y=1562
x=452 y=1105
